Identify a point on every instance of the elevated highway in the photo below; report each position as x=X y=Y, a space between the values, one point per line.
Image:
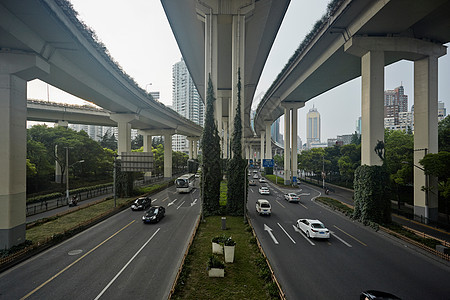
x=359 y=38
x=45 y=40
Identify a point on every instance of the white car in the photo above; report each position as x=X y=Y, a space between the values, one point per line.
x=291 y=197
x=262 y=180
x=313 y=228
x=264 y=190
x=263 y=207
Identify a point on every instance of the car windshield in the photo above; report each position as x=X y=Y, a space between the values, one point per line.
x=140 y=201
x=317 y=225
x=264 y=188
x=152 y=210
x=265 y=205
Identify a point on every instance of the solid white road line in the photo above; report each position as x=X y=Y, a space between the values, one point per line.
x=345 y=243
x=304 y=236
x=126 y=265
x=181 y=204
x=286 y=233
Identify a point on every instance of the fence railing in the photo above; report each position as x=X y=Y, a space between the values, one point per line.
x=45 y=205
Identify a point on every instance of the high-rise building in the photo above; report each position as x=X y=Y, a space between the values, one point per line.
x=186 y=101
x=312 y=126
x=275 y=132
x=442 y=112
x=395 y=102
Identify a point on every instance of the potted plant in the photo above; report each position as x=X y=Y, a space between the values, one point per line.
x=216 y=267
x=217 y=244
x=229 y=246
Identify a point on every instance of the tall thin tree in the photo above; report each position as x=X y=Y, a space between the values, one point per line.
x=211 y=170
x=236 y=167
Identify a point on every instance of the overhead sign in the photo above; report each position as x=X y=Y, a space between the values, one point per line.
x=268 y=163
x=136 y=161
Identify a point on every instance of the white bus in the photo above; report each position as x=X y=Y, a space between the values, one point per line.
x=185 y=183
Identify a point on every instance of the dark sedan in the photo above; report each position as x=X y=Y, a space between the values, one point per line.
x=154 y=214
x=141 y=203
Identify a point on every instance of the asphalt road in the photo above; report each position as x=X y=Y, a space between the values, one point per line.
x=118 y=258
x=354 y=259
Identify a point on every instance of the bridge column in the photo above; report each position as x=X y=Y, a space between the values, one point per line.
x=58 y=173
x=147 y=143
x=195 y=146
x=190 y=146
x=290 y=138
x=262 y=154
x=268 y=153
x=15 y=70
x=226 y=144
x=287 y=146
x=425 y=134
x=168 y=153
x=124 y=127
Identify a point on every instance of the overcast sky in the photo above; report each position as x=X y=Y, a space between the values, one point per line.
x=138 y=36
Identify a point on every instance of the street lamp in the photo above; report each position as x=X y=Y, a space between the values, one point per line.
x=67 y=171
x=426 y=188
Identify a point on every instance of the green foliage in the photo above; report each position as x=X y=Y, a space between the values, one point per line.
x=237 y=176
x=215 y=262
x=211 y=165
x=438 y=164
x=372 y=203
x=444 y=134
x=108 y=140
x=192 y=165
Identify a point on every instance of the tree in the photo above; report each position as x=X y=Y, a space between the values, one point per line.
x=237 y=177
x=437 y=164
x=108 y=140
x=211 y=171
x=137 y=142
x=348 y=162
x=444 y=134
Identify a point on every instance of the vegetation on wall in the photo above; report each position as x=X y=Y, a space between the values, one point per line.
x=236 y=167
x=211 y=171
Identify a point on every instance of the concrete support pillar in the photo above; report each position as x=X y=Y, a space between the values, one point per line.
x=294 y=130
x=124 y=127
x=268 y=153
x=226 y=143
x=372 y=106
x=58 y=171
x=195 y=148
x=263 y=137
x=425 y=134
x=15 y=70
x=168 y=154
x=147 y=147
x=211 y=50
x=287 y=146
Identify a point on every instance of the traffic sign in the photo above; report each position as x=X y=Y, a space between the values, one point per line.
x=268 y=163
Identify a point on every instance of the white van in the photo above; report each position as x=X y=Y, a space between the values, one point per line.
x=263 y=207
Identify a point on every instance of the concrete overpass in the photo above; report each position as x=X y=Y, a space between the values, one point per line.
x=217 y=38
x=45 y=40
x=359 y=38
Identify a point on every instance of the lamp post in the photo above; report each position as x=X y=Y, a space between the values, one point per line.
x=67 y=171
x=427 y=183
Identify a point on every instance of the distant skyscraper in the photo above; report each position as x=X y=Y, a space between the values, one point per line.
x=275 y=131
x=185 y=101
x=312 y=126
x=395 y=102
x=442 y=112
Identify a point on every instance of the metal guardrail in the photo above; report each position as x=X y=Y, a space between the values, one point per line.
x=427 y=236
x=45 y=205
x=417 y=244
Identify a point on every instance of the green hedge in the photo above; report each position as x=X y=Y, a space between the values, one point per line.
x=372 y=195
x=61 y=194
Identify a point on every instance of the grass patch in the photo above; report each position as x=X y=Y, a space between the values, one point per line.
x=337 y=205
x=431 y=243
x=273 y=179
x=62 y=224
x=247 y=278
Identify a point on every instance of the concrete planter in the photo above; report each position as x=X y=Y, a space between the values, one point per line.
x=229 y=254
x=216 y=272
x=217 y=248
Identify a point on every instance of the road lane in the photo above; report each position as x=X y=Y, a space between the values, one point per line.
x=355 y=258
x=150 y=272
